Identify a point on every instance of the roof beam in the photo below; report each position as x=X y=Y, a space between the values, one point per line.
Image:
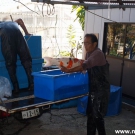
x=106 y=1
x=120 y=3
x=96 y=6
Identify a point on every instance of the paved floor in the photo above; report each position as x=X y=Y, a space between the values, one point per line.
x=66 y=122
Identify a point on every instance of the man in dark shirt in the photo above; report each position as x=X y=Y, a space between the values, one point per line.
x=13 y=43
x=98 y=71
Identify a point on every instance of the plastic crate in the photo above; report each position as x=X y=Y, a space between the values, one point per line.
x=55 y=85
x=114 y=106
x=20 y=72
x=115 y=102
x=35 y=46
x=82 y=105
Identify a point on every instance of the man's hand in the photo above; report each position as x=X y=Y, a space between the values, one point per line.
x=71 y=70
x=64 y=69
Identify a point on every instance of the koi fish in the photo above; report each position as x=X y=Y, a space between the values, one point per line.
x=66 y=62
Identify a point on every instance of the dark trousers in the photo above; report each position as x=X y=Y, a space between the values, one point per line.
x=13 y=44
x=96 y=109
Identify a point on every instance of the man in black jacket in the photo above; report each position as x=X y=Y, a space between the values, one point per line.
x=13 y=43
x=98 y=71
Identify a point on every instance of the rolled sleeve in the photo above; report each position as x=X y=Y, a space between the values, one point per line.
x=97 y=58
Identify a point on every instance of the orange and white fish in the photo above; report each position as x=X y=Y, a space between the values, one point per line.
x=66 y=62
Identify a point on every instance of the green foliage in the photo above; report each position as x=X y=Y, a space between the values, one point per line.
x=65 y=53
x=114 y=29
x=80 y=14
x=113 y=52
x=120 y=36
x=117 y=29
x=71 y=36
x=72 y=42
x=130 y=34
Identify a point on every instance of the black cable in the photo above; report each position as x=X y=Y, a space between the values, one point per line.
x=29 y=38
x=48 y=8
x=11 y=18
x=56 y=37
x=38 y=8
x=50 y=11
x=53 y=10
x=101 y=16
x=43 y=9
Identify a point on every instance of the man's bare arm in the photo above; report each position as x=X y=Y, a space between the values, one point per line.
x=21 y=23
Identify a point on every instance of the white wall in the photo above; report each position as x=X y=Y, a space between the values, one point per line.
x=95 y=24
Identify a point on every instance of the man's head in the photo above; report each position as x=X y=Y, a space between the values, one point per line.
x=90 y=42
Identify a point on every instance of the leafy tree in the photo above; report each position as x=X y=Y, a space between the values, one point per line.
x=80 y=14
x=113 y=30
x=72 y=42
x=74 y=45
x=65 y=53
x=130 y=33
x=71 y=36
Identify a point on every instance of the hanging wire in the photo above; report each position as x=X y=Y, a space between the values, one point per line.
x=29 y=38
x=38 y=8
x=26 y=7
x=56 y=38
x=102 y=17
x=11 y=17
x=53 y=10
x=50 y=10
x=43 y=9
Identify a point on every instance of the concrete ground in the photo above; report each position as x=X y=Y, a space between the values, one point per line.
x=65 y=122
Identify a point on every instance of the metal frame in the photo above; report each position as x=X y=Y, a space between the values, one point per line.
x=4 y=108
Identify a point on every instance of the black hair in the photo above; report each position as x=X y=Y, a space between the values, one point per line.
x=93 y=37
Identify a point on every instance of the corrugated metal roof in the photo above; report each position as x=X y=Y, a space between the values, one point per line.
x=95 y=3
